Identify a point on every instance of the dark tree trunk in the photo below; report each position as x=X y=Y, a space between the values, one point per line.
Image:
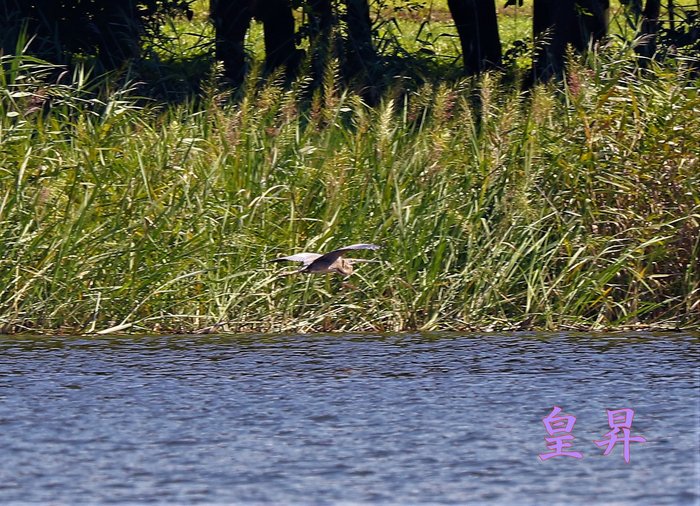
x=558 y=23
x=118 y=30
x=553 y=23
x=593 y=21
x=360 y=52
x=111 y=30
x=634 y=7
x=321 y=21
x=650 y=27
x=231 y=21
x=278 y=23
x=477 y=26
x=322 y=14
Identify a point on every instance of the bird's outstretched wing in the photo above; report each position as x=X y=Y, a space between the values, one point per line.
x=305 y=258
x=362 y=260
x=356 y=246
x=327 y=259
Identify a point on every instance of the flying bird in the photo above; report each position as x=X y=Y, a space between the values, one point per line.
x=327 y=263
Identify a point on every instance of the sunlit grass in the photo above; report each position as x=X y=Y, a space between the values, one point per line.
x=575 y=206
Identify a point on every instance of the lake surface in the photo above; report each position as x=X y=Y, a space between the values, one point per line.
x=440 y=418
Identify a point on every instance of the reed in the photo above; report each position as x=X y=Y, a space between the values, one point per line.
x=576 y=206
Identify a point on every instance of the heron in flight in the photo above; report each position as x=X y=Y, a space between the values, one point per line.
x=325 y=263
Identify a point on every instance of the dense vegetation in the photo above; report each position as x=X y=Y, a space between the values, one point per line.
x=573 y=205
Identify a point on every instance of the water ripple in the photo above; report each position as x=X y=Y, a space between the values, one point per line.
x=440 y=418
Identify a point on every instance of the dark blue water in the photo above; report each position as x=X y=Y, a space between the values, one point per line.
x=328 y=419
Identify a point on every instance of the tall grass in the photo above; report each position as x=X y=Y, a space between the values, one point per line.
x=576 y=206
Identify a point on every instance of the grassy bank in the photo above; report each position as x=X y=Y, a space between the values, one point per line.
x=577 y=206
